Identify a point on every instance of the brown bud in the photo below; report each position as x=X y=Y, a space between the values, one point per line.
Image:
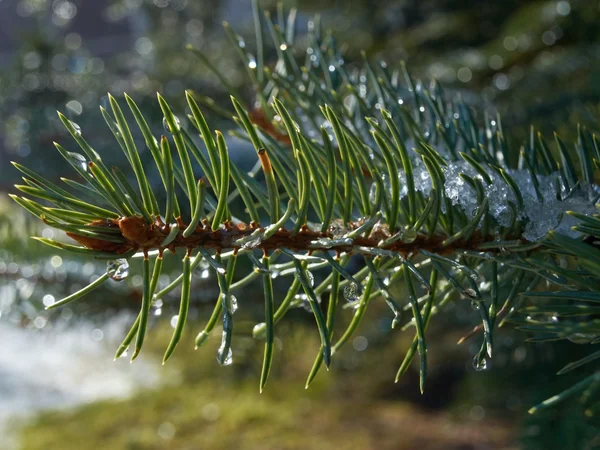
x=134 y=229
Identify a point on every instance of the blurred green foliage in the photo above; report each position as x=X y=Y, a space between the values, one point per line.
x=201 y=405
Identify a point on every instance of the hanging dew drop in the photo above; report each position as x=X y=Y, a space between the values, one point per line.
x=480 y=364
x=228 y=359
x=297 y=301
x=475 y=305
x=157 y=307
x=306 y=304
x=76 y=127
x=225 y=359
x=174 y=320
x=259 y=331
x=78 y=159
x=118 y=269
x=166 y=124
x=201 y=338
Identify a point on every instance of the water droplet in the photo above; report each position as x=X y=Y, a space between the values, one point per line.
x=283 y=47
x=76 y=127
x=351 y=292
x=298 y=298
x=234 y=304
x=274 y=274
x=475 y=305
x=581 y=338
x=373 y=193
x=118 y=269
x=224 y=360
x=323 y=242
x=480 y=364
x=202 y=338
x=166 y=124
x=408 y=235
x=156 y=307
x=337 y=229
x=259 y=331
x=174 y=320
x=79 y=160
x=204 y=274
x=249 y=245
x=306 y=304
x=252 y=63
x=469 y=293
x=311 y=277
x=330 y=243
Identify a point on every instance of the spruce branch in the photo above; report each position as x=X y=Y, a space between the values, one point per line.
x=357 y=165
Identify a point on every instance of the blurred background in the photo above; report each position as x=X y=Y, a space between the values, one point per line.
x=533 y=61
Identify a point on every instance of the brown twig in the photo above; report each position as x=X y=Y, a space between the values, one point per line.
x=141 y=236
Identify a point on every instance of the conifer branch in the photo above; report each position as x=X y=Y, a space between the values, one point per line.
x=396 y=174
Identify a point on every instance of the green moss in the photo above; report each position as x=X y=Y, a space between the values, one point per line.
x=355 y=406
